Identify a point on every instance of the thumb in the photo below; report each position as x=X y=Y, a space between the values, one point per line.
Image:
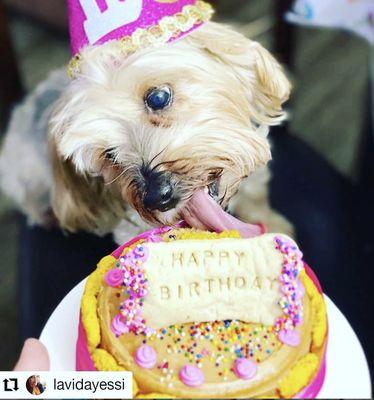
x=34 y=357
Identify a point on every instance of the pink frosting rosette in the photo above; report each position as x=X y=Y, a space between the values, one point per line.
x=191 y=376
x=119 y=326
x=114 y=277
x=289 y=337
x=146 y=356
x=245 y=368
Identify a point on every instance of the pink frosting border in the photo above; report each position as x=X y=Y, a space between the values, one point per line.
x=83 y=360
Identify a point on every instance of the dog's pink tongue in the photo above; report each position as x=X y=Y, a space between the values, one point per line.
x=202 y=212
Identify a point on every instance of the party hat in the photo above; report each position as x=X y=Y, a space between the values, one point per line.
x=135 y=23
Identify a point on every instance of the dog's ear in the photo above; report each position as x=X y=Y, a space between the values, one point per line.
x=259 y=72
x=81 y=202
x=271 y=86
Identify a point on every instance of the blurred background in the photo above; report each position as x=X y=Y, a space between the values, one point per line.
x=323 y=157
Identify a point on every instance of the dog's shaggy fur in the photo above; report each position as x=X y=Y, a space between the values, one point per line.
x=227 y=91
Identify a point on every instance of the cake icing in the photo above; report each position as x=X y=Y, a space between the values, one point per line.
x=211 y=356
x=252 y=280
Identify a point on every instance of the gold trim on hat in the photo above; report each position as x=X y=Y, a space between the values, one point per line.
x=168 y=27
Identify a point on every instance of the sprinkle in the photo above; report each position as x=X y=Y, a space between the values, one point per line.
x=291 y=302
x=135 y=282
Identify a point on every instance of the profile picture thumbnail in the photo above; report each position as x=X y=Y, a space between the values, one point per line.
x=35 y=385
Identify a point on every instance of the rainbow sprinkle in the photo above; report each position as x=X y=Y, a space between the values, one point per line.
x=291 y=302
x=136 y=284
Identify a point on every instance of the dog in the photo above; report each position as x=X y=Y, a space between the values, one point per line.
x=128 y=144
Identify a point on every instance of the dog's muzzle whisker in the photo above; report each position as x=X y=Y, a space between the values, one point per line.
x=115 y=179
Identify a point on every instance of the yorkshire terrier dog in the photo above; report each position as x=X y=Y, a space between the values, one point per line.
x=169 y=133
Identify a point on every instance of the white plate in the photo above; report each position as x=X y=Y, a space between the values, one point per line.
x=347 y=374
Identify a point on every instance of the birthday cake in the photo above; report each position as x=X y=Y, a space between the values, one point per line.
x=196 y=314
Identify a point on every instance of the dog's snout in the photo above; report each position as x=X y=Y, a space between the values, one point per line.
x=160 y=193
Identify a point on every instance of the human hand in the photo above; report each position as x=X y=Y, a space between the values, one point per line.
x=34 y=357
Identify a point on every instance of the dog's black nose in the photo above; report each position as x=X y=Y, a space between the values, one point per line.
x=159 y=193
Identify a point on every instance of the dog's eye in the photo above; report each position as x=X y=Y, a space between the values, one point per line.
x=158 y=99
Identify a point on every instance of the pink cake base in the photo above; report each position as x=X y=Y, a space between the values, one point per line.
x=83 y=360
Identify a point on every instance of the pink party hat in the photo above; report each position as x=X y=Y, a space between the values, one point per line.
x=136 y=23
